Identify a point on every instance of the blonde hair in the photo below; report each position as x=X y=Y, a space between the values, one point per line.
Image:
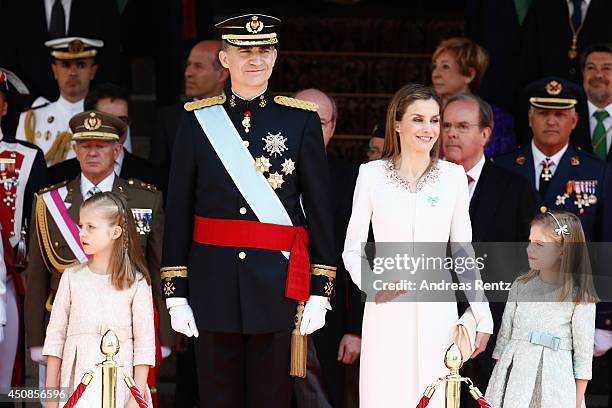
x=400 y=102
x=127 y=259
x=468 y=55
x=576 y=276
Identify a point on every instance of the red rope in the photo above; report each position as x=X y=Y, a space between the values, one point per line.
x=483 y=403
x=423 y=402
x=138 y=397
x=76 y=395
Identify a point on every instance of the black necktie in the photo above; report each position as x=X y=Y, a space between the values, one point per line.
x=57 y=28
x=577 y=16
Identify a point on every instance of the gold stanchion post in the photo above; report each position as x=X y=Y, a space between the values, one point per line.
x=453 y=361
x=109 y=347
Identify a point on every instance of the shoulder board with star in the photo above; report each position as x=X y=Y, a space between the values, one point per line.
x=205 y=103
x=141 y=185
x=53 y=187
x=296 y=103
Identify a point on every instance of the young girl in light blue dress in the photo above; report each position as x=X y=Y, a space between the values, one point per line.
x=544 y=348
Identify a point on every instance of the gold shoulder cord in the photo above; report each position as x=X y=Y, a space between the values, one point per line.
x=42 y=231
x=29 y=126
x=60 y=148
x=296 y=103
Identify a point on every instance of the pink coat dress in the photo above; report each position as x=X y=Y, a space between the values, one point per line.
x=86 y=306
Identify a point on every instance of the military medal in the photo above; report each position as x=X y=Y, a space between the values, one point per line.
x=275 y=144
x=288 y=166
x=561 y=199
x=262 y=164
x=592 y=197
x=142 y=217
x=8 y=178
x=546 y=174
x=579 y=201
x=275 y=180
x=246 y=121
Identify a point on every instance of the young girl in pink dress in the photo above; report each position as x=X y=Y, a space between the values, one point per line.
x=111 y=291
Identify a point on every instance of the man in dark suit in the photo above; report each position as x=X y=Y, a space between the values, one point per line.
x=595 y=123
x=204 y=78
x=502 y=205
x=546 y=46
x=109 y=98
x=25 y=25
x=332 y=378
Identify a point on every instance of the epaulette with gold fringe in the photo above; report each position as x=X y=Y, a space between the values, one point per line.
x=204 y=103
x=141 y=184
x=53 y=187
x=296 y=103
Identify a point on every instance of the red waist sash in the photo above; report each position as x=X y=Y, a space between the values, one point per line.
x=254 y=234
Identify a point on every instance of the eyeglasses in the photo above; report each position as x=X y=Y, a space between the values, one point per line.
x=462 y=127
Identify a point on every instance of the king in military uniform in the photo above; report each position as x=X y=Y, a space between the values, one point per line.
x=55 y=243
x=249 y=234
x=565 y=178
x=46 y=123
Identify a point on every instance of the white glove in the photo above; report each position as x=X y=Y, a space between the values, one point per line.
x=165 y=351
x=181 y=317
x=37 y=356
x=313 y=317
x=1 y=333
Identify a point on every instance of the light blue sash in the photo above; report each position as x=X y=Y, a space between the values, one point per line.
x=240 y=165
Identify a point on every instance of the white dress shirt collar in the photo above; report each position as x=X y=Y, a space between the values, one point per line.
x=474 y=173
x=105 y=185
x=584 y=7
x=72 y=107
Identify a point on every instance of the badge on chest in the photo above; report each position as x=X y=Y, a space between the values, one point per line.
x=583 y=192
x=143 y=218
x=274 y=147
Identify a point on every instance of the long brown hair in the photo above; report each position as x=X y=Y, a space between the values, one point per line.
x=576 y=276
x=127 y=259
x=402 y=99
